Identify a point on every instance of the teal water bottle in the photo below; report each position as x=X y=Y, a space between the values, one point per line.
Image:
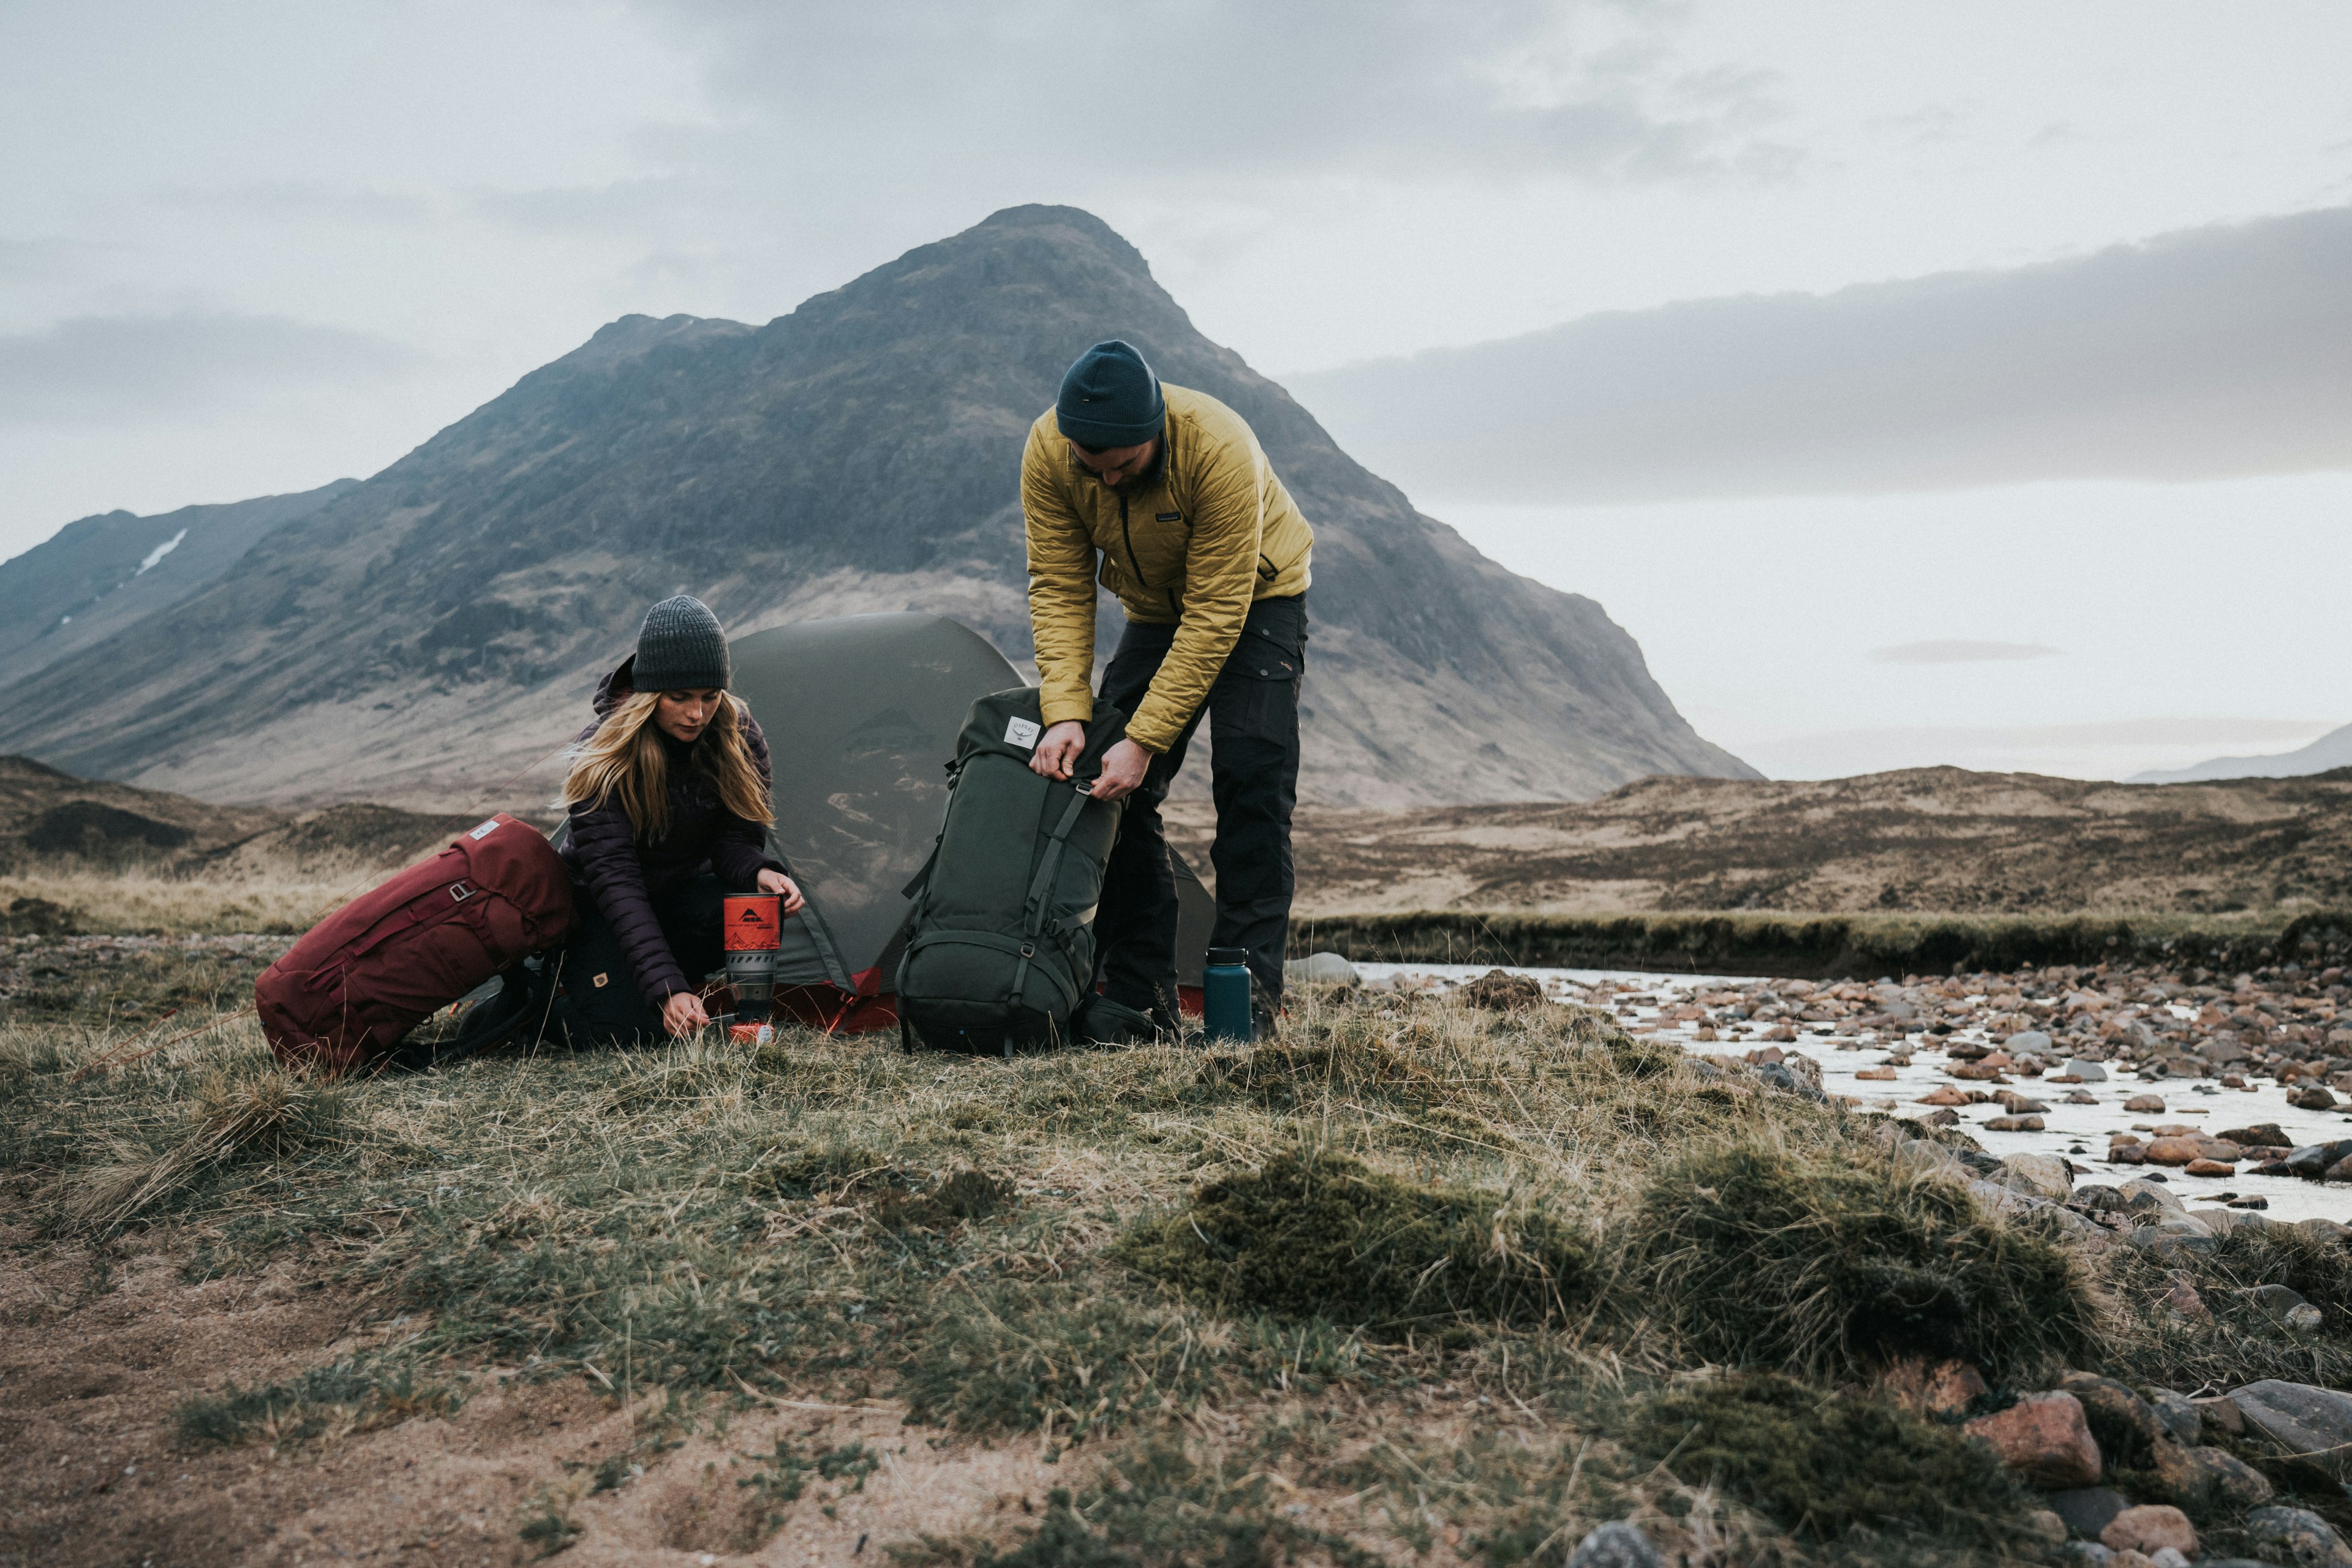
x=1226 y=995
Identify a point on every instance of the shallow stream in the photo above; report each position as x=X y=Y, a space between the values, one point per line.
x=2079 y=1133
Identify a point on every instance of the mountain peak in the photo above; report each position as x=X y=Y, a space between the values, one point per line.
x=861 y=454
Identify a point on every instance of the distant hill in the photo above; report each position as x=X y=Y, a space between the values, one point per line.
x=104 y=575
x=433 y=629
x=2333 y=750
x=54 y=819
x=1924 y=839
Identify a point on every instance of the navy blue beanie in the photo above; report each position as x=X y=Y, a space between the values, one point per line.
x=1110 y=398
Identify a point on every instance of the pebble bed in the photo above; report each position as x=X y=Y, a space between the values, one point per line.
x=1731 y=1016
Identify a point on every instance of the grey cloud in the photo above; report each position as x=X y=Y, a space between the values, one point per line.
x=594 y=208
x=1168 y=89
x=277 y=200
x=93 y=368
x=2215 y=353
x=1954 y=651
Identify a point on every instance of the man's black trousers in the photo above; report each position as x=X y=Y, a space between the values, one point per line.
x=1253 y=714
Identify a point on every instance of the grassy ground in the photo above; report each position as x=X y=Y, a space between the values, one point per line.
x=1410 y=1282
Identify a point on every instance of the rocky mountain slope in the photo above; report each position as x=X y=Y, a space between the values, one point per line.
x=101 y=575
x=436 y=628
x=1924 y=839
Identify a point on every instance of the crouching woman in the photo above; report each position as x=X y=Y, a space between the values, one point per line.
x=669 y=812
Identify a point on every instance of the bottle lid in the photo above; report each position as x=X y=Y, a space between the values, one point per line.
x=1229 y=955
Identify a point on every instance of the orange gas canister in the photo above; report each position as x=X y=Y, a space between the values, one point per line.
x=754 y=930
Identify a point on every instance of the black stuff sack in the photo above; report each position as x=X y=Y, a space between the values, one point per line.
x=999 y=952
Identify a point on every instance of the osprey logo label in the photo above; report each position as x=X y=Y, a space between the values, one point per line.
x=1023 y=733
x=485 y=829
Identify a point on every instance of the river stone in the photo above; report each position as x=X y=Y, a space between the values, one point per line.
x=1321 y=969
x=2298 y=1536
x=2220 y=1413
x=2284 y=1306
x=2202 y=1478
x=2179 y=1416
x=2087 y=1510
x=2156 y=1190
x=2044 y=1439
x=2150 y=1528
x=1776 y=1075
x=2311 y=1424
x=2089 y=1072
x=1616 y=1545
x=2311 y=1161
x=2041 y=1175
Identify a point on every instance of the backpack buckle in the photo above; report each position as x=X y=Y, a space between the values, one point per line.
x=459 y=892
x=1028 y=949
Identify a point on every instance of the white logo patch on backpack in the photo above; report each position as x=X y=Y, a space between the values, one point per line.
x=1022 y=733
x=485 y=829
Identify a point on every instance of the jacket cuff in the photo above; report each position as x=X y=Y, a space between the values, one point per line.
x=1056 y=709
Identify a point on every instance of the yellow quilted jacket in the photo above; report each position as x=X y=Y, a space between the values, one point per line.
x=1196 y=542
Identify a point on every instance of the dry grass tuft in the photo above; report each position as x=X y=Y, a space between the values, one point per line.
x=261 y=1115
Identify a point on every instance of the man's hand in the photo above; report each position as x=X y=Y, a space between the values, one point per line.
x=1123 y=768
x=683 y=1013
x=778 y=883
x=1057 y=750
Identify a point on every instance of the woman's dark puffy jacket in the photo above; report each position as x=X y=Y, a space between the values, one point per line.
x=622 y=875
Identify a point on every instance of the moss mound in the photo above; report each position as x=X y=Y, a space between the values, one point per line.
x=1820 y=1265
x=1828 y=1466
x=1313 y=1235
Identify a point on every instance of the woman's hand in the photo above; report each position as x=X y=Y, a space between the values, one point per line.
x=683 y=1013
x=776 y=883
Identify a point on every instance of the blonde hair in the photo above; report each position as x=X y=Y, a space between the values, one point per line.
x=625 y=758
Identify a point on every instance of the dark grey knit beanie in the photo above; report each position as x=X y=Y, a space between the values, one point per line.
x=681 y=648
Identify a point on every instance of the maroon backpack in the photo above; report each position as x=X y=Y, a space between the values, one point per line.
x=345 y=994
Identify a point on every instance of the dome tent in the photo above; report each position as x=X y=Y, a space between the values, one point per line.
x=862 y=715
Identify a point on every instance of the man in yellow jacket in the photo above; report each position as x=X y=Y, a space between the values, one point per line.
x=1165 y=496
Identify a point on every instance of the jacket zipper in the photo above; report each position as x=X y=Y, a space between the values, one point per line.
x=1137 y=566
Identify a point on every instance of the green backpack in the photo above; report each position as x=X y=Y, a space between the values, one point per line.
x=1000 y=944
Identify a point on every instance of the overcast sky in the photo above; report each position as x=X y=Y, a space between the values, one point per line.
x=246 y=248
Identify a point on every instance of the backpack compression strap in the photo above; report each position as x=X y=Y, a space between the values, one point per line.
x=1041 y=888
